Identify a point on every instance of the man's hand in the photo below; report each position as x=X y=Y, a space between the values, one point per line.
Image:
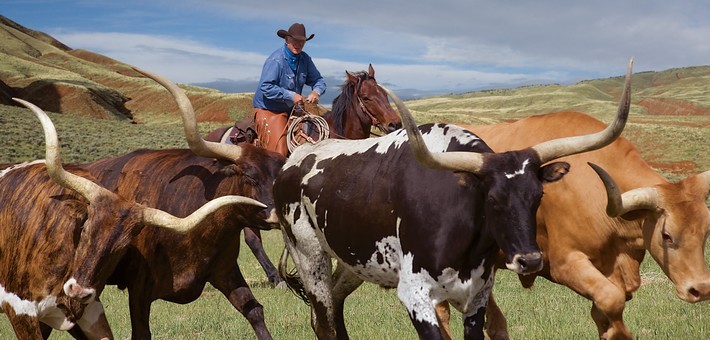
x=313 y=97
x=297 y=98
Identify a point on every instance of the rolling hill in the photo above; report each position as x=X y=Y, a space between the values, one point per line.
x=670 y=108
x=38 y=68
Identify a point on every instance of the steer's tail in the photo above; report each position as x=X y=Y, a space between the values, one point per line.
x=293 y=280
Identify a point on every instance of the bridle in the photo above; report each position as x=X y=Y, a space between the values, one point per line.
x=372 y=117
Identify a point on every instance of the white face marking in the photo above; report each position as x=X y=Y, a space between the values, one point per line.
x=519 y=172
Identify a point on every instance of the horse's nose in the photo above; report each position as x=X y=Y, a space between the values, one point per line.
x=391 y=127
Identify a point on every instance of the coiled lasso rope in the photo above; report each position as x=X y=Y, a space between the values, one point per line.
x=302 y=127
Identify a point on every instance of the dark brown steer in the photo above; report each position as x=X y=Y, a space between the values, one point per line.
x=60 y=241
x=172 y=267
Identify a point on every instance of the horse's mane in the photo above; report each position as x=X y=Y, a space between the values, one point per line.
x=346 y=97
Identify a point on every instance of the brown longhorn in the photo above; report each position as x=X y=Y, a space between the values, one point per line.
x=91 y=191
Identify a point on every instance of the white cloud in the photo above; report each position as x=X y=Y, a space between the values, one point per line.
x=427 y=45
x=182 y=60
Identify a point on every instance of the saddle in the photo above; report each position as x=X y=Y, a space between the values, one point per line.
x=243 y=131
x=277 y=131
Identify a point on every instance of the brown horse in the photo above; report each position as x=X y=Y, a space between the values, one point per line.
x=360 y=105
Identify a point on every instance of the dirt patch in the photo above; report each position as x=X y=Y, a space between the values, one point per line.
x=68 y=97
x=680 y=168
x=672 y=107
x=93 y=57
x=675 y=123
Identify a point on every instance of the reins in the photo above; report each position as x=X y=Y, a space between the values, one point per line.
x=373 y=120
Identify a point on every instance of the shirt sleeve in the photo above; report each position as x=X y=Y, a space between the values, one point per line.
x=270 y=82
x=314 y=78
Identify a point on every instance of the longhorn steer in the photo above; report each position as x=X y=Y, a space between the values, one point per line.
x=429 y=224
x=598 y=256
x=172 y=267
x=56 y=249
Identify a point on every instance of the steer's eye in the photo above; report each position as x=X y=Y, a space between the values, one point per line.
x=667 y=239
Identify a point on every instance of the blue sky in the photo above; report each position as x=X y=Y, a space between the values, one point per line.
x=440 y=46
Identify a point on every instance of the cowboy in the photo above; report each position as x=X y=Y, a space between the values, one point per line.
x=283 y=76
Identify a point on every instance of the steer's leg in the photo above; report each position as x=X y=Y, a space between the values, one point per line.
x=46 y=330
x=139 y=306
x=609 y=299
x=252 y=237
x=25 y=327
x=77 y=333
x=235 y=288
x=443 y=314
x=496 y=324
x=474 y=317
x=421 y=309
x=315 y=268
x=345 y=282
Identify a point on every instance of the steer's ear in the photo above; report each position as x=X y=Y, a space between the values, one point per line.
x=553 y=172
x=76 y=209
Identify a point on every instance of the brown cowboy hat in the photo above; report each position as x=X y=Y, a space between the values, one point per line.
x=296 y=31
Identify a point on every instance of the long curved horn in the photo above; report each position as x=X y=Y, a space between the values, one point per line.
x=618 y=204
x=91 y=190
x=83 y=186
x=198 y=145
x=561 y=147
x=159 y=218
x=463 y=161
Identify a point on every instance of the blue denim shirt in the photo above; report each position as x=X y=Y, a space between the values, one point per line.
x=278 y=83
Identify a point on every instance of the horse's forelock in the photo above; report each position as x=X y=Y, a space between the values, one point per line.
x=346 y=96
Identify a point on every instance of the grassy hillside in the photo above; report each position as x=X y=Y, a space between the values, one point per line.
x=37 y=68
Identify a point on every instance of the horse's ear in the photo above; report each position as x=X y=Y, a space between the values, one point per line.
x=371 y=71
x=351 y=77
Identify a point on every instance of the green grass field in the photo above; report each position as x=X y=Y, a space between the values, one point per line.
x=547 y=311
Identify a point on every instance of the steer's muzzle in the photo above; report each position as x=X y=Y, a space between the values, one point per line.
x=75 y=291
x=694 y=291
x=526 y=263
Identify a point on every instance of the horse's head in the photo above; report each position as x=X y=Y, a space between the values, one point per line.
x=360 y=105
x=373 y=102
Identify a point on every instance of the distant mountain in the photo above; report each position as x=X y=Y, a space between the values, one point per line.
x=334 y=86
x=243 y=86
